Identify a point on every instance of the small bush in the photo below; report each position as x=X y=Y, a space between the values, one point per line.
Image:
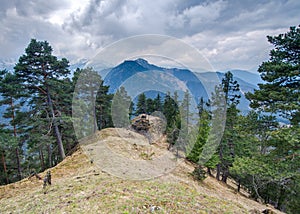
x=199 y=173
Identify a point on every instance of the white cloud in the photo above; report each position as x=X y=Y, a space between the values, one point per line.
x=60 y=15
x=242 y=50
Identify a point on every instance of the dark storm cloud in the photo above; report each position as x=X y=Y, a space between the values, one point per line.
x=182 y=18
x=230 y=33
x=116 y=18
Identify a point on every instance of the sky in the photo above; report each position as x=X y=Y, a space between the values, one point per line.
x=230 y=34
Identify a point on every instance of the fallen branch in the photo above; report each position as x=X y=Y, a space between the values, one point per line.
x=36 y=175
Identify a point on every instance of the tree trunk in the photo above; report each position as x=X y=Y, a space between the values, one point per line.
x=13 y=116
x=56 y=129
x=49 y=156
x=280 y=199
x=101 y=113
x=94 y=112
x=239 y=185
x=59 y=142
x=42 y=160
x=231 y=147
x=218 y=171
x=225 y=175
x=18 y=163
x=15 y=135
x=4 y=167
x=219 y=164
x=209 y=171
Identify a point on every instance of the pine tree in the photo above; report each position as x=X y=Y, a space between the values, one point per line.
x=185 y=109
x=121 y=107
x=150 y=106
x=188 y=131
x=286 y=163
x=280 y=91
x=197 y=153
x=38 y=69
x=272 y=177
x=204 y=127
x=141 y=106
x=103 y=107
x=87 y=87
x=270 y=170
x=211 y=152
x=157 y=102
x=266 y=160
x=230 y=89
x=11 y=92
x=8 y=145
x=252 y=142
x=63 y=96
x=172 y=115
x=226 y=148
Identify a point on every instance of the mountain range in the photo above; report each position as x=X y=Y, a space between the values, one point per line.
x=139 y=76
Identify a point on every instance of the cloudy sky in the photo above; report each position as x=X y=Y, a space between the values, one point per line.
x=231 y=34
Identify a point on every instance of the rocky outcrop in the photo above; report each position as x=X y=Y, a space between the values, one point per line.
x=141 y=123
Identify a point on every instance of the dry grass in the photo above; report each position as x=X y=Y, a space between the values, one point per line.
x=79 y=186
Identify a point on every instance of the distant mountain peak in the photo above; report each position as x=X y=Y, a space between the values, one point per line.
x=130 y=64
x=146 y=64
x=141 y=61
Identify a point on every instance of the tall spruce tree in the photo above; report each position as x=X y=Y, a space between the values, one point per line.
x=213 y=147
x=185 y=109
x=226 y=148
x=202 y=137
x=188 y=132
x=197 y=154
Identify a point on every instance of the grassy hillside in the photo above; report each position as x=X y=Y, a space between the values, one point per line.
x=79 y=185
